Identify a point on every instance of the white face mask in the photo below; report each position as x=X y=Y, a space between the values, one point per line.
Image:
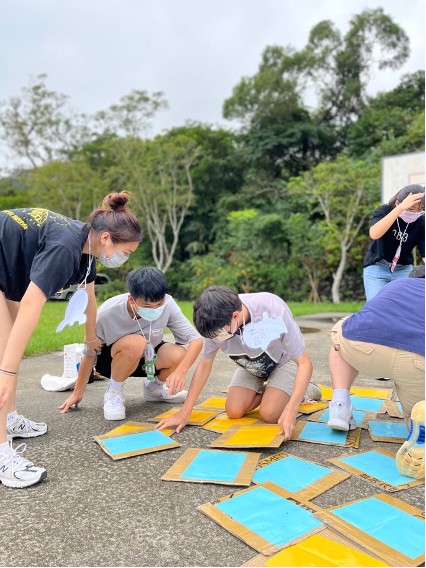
x=114 y=261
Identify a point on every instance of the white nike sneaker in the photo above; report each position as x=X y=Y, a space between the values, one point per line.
x=16 y=471
x=114 y=408
x=341 y=417
x=23 y=427
x=155 y=392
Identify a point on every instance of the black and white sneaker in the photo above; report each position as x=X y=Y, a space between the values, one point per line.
x=16 y=471
x=22 y=427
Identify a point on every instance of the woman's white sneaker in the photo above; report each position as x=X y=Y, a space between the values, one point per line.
x=16 y=471
x=23 y=427
x=114 y=408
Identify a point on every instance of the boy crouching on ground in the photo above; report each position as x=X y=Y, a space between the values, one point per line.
x=259 y=333
x=131 y=327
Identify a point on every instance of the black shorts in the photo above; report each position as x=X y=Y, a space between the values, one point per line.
x=103 y=363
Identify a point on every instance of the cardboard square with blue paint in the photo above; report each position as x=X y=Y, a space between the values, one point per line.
x=378 y=467
x=263 y=519
x=388 y=527
x=320 y=433
x=129 y=445
x=214 y=466
x=303 y=478
x=387 y=431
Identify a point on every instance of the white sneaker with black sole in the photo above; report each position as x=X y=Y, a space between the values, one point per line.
x=114 y=408
x=18 y=472
x=341 y=417
x=154 y=391
x=23 y=427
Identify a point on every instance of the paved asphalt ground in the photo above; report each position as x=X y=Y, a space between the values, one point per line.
x=92 y=511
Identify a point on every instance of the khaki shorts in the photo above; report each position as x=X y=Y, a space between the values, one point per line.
x=407 y=369
x=281 y=378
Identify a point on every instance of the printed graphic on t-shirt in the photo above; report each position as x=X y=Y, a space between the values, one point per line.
x=261 y=366
x=35 y=216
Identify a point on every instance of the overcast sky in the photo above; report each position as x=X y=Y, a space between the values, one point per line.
x=195 y=51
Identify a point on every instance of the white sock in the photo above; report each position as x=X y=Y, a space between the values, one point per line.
x=341 y=395
x=115 y=386
x=5 y=447
x=11 y=417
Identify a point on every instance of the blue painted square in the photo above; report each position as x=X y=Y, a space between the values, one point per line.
x=385 y=429
x=291 y=473
x=395 y=528
x=379 y=466
x=270 y=516
x=320 y=432
x=134 y=442
x=215 y=466
x=365 y=403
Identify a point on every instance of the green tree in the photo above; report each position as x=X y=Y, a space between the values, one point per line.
x=345 y=192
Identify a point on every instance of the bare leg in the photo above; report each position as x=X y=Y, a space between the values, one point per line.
x=126 y=354
x=342 y=374
x=168 y=358
x=8 y=311
x=240 y=401
x=273 y=403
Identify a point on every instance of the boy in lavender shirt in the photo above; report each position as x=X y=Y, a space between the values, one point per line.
x=259 y=333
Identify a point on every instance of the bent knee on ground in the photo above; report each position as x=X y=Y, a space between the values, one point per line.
x=269 y=415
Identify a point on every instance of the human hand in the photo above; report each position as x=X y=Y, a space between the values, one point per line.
x=178 y=420
x=7 y=386
x=175 y=382
x=72 y=400
x=287 y=422
x=95 y=345
x=411 y=201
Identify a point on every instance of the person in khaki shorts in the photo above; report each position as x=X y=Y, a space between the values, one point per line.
x=386 y=338
x=258 y=332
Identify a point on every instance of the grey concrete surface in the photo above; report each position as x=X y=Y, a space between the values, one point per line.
x=92 y=511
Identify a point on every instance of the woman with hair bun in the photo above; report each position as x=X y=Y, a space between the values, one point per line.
x=40 y=253
x=396 y=228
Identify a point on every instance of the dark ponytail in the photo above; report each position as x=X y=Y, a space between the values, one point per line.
x=114 y=217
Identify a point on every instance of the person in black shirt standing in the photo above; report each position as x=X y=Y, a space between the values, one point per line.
x=395 y=230
x=41 y=252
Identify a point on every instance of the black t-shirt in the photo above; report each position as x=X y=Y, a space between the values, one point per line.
x=385 y=247
x=37 y=245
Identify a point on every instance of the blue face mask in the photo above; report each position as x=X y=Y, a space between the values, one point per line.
x=150 y=314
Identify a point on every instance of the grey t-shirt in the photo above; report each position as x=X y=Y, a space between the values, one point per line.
x=259 y=362
x=113 y=321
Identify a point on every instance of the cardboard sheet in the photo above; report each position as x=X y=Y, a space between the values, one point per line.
x=216 y=402
x=134 y=428
x=387 y=527
x=214 y=466
x=366 y=403
x=251 y=436
x=129 y=445
x=394 y=409
x=303 y=478
x=198 y=417
x=327 y=392
x=378 y=467
x=326 y=548
x=386 y=431
x=263 y=519
x=310 y=407
x=222 y=422
x=320 y=433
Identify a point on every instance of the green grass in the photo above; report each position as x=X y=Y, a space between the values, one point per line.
x=45 y=339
